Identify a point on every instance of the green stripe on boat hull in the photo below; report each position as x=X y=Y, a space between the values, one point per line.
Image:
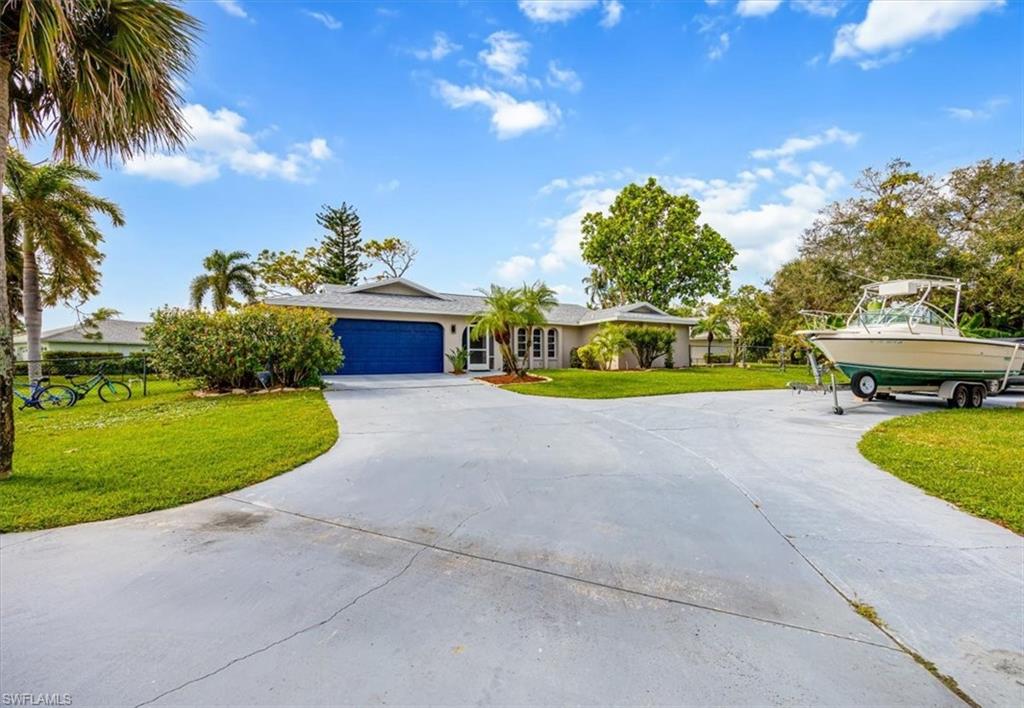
x=894 y=376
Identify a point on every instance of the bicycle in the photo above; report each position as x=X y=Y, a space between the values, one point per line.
x=45 y=397
x=108 y=391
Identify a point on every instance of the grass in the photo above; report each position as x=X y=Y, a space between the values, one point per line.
x=970 y=458
x=582 y=383
x=104 y=460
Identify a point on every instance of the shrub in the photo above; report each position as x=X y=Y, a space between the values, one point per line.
x=608 y=343
x=588 y=357
x=227 y=349
x=717 y=359
x=670 y=362
x=458 y=358
x=574 y=358
x=649 y=342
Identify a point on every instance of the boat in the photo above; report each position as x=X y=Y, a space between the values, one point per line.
x=897 y=339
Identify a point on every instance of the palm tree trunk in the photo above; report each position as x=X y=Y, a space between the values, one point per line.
x=33 y=307
x=711 y=337
x=6 y=335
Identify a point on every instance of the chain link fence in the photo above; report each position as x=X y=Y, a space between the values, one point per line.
x=133 y=370
x=724 y=355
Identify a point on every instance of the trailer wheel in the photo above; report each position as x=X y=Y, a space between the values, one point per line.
x=977 y=397
x=961 y=397
x=864 y=385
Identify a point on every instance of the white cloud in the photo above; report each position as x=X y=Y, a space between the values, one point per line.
x=506 y=56
x=762 y=212
x=563 y=77
x=612 y=13
x=890 y=58
x=219 y=140
x=515 y=268
x=757 y=8
x=179 y=169
x=795 y=145
x=821 y=8
x=325 y=18
x=389 y=186
x=319 y=149
x=547 y=11
x=719 y=49
x=889 y=26
x=983 y=112
x=510 y=118
x=441 y=48
x=232 y=7
x=563 y=290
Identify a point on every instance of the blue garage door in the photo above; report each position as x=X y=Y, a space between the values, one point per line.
x=384 y=347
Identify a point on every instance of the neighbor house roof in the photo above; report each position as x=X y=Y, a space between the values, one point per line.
x=111 y=332
x=369 y=297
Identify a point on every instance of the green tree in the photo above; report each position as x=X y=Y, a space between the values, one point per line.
x=51 y=213
x=341 y=246
x=649 y=342
x=750 y=318
x=226 y=273
x=714 y=323
x=278 y=272
x=650 y=248
x=981 y=216
x=508 y=309
x=393 y=253
x=608 y=343
x=103 y=79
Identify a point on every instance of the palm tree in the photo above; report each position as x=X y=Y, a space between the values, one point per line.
x=715 y=323
x=508 y=309
x=102 y=78
x=52 y=214
x=225 y=273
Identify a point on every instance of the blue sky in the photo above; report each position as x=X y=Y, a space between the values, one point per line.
x=481 y=132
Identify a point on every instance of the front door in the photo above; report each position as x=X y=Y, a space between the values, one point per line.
x=480 y=351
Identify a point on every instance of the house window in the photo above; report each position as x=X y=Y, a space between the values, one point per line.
x=552 y=344
x=521 y=342
x=538 y=351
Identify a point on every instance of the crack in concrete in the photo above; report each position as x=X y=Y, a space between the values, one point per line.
x=901 y=646
x=884 y=542
x=566 y=576
x=308 y=628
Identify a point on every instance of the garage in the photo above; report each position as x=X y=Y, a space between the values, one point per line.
x=389 y=347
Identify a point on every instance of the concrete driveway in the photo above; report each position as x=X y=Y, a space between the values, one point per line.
x=463 y=544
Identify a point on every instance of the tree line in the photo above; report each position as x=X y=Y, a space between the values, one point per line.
x=336 y=258
x=650 y=246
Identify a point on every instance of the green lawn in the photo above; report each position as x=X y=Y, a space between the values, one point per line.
x=582 y=383
x=103 y=460
x=971 y=458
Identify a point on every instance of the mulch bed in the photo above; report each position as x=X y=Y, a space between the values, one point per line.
x=503 y=379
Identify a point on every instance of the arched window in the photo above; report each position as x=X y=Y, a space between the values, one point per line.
x=552 y=344
x=521 y=342
x=538 y=344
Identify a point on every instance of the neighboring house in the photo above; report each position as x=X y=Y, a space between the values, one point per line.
x=115 y=337
x=396 y=326
x=699 y=348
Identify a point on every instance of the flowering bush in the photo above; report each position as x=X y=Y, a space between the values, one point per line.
x=227 y=349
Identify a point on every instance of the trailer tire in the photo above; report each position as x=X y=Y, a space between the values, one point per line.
x=864 y=385
x=977 y=397
x=961 y=397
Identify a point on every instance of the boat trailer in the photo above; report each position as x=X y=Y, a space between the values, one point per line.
x=957 y=394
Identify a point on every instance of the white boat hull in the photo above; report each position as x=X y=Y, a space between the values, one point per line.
x=907 y=360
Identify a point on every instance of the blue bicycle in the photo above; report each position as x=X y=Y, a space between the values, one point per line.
x=42 y=395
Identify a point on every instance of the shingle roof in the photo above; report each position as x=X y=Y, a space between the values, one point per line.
x=344 y=298
x=111 y=331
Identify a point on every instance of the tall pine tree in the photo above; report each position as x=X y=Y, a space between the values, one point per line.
x=341 y=246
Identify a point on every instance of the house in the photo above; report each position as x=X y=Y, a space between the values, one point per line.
x=719 y=347
x=397 y=326
x=112 y=336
